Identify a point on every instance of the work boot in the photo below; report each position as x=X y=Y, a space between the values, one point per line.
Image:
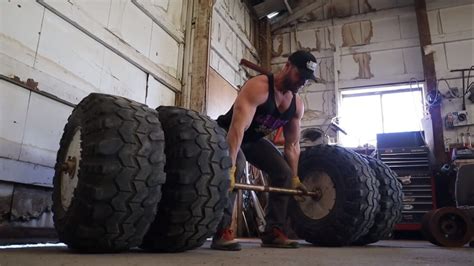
x=224 y=240
x=275 y=238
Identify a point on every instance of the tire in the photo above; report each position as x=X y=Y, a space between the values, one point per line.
x=349 y=199
x=390 y=205
x=197 y=183
x=425 y=227
x=448 y=227
x=108 y=201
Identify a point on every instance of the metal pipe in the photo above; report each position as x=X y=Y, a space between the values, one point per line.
x=315 y=194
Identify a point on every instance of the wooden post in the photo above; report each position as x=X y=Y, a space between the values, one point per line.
x=264 y=43
x=202 y=18
x=431 y=81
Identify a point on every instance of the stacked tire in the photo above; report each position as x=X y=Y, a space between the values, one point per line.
x=360 y=202
x=129 y=176
x=109 y=173
x=112 y=171
x=390 y=204
x=197 y=183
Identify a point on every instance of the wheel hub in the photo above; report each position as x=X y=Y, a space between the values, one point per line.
x=314 y=207
x=452 y=227
x=70 y=170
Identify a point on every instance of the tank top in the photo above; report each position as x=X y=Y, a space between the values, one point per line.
x=267 y=117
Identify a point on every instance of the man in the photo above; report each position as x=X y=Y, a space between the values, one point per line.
x=264 y=104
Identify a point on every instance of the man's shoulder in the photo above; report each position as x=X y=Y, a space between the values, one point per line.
x=259 y=80
x=256 y=89
x=258 y=84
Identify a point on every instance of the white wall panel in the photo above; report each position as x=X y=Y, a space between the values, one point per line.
x=78 y=17
x=412 y=60
x=306 y=39
x=439 y=57
x=119 y=77
x=72 y=48
x=19 y=37
x=459 y=18
x=385 y=29
x=408 y=26
x=95 y=10
x=168 y=12
x=131 y=25
x=159 y=95
x=349 y=68
x=43 y=130
x=13 y=108
x=460 y=54
x=164 y=50
x=387 y=63
x=46 y=82
x=68 y=54
x=318 y=107
x=230 y=40
x=282 y=44
x=434 y=22
x=26 y=173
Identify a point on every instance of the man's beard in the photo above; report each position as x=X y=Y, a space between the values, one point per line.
x=289 y=85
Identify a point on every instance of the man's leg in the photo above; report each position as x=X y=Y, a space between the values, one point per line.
x=265 y=156
x=223 y=238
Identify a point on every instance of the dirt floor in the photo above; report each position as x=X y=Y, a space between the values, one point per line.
x=390 y=252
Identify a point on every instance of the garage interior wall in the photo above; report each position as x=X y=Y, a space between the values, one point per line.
x=232 y=38
x=375 y=42
x=130 y=48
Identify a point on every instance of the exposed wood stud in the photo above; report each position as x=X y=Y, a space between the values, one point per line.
x=200 y=56
x=430 y=79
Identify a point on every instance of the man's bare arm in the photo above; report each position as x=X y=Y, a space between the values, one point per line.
x=253 y=93
x=291 y=132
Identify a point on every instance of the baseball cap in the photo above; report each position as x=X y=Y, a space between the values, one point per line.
x=305 y=62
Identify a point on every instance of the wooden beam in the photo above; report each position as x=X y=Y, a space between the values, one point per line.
x=202 y=17
x=431 y=81
x=298 y=13
x=264 y=43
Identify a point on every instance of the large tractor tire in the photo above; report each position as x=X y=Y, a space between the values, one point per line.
x=350 y=196
x=390 y=207
x=197 y=182
x=108 y=174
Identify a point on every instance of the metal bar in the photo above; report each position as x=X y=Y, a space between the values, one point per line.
x=289 y=191
x=462 y=69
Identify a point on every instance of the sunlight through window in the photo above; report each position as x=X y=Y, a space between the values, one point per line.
x=366 y=112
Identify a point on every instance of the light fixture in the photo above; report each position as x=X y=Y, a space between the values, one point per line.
x=273 y=14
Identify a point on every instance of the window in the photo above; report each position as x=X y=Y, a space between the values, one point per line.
x=368 y=111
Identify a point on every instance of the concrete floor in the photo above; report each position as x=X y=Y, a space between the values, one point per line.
x=393 y=252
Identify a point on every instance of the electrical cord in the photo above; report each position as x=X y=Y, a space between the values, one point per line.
x=471 y=86
x=451 y=91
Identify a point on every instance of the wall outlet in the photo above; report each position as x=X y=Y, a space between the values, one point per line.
x=460 y=118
